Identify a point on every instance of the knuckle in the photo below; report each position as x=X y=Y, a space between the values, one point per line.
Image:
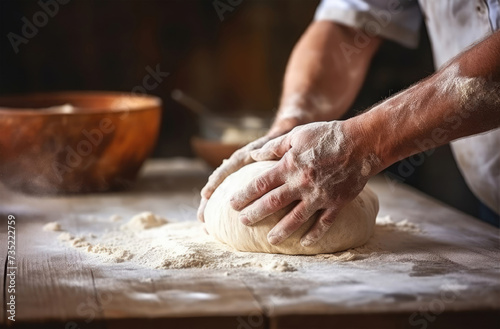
x=325 y=197
x=291 y=161
x=288 y=159
x=327 y=221
x=275 y=151
x=304 y=182
x=274 y=201
x=296 y=217
x=309 y=173
x=260 y=184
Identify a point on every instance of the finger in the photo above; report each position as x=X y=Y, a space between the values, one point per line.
x=270 y=203
x=319 y=228
x=201 y=210
x=225 y=169
x=291 y=223
x=236 y=161
x=257 y=188
x=272 y=150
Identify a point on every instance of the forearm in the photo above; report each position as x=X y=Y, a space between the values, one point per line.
x=461 y=99
x=321 y=82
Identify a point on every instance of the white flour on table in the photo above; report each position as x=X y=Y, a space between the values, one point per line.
x=52 y=226
x=148 y=240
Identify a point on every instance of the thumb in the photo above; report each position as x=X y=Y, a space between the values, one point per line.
x=272 y=150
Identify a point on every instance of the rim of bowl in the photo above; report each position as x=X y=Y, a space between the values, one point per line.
x=151 y=101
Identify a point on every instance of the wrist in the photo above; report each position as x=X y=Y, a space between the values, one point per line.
x=364 y=136
x=295 y=110
x=282 y=126
x=304 y=106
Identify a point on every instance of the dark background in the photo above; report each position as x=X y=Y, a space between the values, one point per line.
x=230 y=65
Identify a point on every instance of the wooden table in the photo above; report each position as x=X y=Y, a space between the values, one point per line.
x=459 y=287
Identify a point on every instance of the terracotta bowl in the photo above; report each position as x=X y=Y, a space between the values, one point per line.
x=213 y=152
x=96 y=142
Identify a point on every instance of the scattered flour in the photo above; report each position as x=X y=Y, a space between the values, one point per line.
x=107 y=253
x=280 y=266
x=386 y=230
x=143 y=221
x=403 y=225
x=115 y=218
x=147 y=240
x=52 y=226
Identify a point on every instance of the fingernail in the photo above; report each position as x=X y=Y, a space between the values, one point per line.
x=232 y=202
x=233 y=198
x=307 y=242
x=244 y=220
x=273 y=239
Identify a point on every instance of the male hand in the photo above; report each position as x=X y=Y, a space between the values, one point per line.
x=322 y=167
x=237 y=160
x=241 y=158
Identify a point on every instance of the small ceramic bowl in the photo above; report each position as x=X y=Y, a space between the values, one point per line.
x=221 y=136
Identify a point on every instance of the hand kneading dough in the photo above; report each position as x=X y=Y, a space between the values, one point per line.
x=352 y=228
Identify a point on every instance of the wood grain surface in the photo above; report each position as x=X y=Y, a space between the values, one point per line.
x=448 y=276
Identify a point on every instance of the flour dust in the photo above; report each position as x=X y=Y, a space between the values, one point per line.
x=148 y=240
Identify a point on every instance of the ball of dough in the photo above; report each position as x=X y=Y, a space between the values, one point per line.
x=352 y=228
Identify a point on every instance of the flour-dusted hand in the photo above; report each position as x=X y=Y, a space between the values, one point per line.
x=241 y=158
x=323 y=166
x=237 y=160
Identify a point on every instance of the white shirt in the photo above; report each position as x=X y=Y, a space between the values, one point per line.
x=453 y=26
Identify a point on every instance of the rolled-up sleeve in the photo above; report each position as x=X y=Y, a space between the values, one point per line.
x=396 y=20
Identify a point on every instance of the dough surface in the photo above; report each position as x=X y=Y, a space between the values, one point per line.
x=352 y=228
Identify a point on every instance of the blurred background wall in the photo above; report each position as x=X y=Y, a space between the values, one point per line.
x=231 y=63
